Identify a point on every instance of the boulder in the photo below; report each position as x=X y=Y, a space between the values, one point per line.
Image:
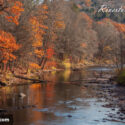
x=21 y=95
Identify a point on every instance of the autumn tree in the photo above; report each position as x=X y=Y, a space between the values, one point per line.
x=78 y=37
x=7 y=46
x=11 y=11
x=107 y=40
x=23 y=33
x=121 y=46
x=56 y=25
x=111 y=41
x=46 y=23
x=38 y=32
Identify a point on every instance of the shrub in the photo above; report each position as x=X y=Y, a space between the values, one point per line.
x=121 y=77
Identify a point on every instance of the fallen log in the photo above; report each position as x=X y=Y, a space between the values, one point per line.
x=26 y=78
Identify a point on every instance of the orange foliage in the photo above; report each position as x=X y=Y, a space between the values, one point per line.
x=7 y=46
x=59 y=24
x=8 y=43
x=50 y=64
x=41 y=31
x=88 y=3
x=105 y=20
x=44 y=6
x=38 y=32
x=39 y=53
x=120 y=27
x=84 y=45
x=87 y=19
x=15 y=11
x=34 y=66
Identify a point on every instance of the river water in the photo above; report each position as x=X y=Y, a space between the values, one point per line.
x=57 y=102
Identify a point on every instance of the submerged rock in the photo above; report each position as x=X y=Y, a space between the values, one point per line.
x=2 y=84
x=28 y=106
x=3 y=110
x=69 y=116
x=76 y=69
x=21 y=95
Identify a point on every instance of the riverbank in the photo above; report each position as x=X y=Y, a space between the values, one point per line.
x=21 y=77
x=107 y=88
x=12 y=79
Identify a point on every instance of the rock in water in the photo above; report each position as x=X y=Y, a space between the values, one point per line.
x=22 y=95
x=2 y=84
x=3 y=111
x=69 y=116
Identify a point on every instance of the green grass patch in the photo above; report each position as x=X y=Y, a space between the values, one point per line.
x=121 y=77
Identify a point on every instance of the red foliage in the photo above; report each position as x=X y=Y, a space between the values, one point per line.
x=50 y=52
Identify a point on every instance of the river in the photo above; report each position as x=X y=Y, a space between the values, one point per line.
x=58 y=102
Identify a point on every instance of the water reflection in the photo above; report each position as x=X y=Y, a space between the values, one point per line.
x=55 y=103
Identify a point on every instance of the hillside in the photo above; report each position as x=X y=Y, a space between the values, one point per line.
x=91 y=7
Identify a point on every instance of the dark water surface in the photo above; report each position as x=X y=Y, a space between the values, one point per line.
x=57 y=103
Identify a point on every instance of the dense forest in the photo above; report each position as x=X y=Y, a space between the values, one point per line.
x=38 y=35
x=62 y=62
